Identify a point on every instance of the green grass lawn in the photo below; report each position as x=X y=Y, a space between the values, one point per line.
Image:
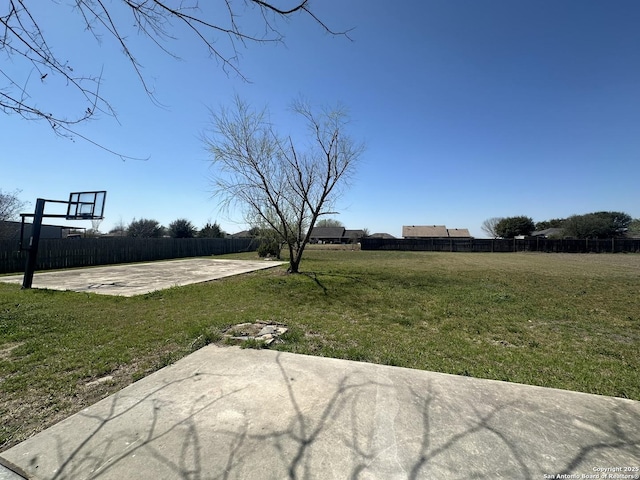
x=555 y=320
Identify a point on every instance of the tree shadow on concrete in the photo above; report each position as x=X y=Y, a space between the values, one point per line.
x=99 y=456
x=304 y=430
x=367 y=425
x=616 y=438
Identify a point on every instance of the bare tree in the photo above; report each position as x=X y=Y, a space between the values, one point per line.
x=34 y=64
x=119 y=229
x=275 y=182
x=489 y=226
x=10 y=206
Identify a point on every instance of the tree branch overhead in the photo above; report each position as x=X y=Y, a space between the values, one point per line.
x=30 y=58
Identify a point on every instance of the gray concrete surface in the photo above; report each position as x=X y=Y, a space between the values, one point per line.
x=139 y=278
x=259 y=414
x=9 y=471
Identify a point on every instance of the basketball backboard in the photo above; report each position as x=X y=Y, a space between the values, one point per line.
x=86 y=205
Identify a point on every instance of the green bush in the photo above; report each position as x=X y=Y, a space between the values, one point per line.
x=269 y=248
x=211 y=230
x=182 y=228
x=513 y=226
x=145 y=228
x=597 y=225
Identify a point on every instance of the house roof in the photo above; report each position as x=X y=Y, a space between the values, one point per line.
x=434 y=231
x=354 y=233
x=547 y=232
x=327 y=232
x=424 y=231
x=458 y=232
x=242 y=234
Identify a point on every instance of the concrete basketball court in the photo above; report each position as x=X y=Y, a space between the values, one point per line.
x=227 y=413
x=139 y=278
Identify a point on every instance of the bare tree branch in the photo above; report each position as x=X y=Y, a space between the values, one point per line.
x=10 y=205
x=489 y=226
x=26 y=47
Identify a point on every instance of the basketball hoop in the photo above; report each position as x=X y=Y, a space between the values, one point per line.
x=86 y=205
x=80 y=206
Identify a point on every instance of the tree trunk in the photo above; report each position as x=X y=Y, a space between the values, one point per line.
x=294 y=262
x=294 y=265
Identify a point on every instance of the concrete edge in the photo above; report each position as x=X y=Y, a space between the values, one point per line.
x=14 y=470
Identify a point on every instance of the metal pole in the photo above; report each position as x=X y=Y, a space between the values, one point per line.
x=21 y=231
x=34 y=241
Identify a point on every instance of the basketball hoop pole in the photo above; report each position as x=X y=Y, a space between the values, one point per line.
x=34 y=241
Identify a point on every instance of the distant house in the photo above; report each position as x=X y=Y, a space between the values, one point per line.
x=327 y=235
x=335 y=235
x=242 y=234
x=353 y=236
x=434 y=231
x=11 y=231
x=548 y=233
x=424 y=231
x=458 y=233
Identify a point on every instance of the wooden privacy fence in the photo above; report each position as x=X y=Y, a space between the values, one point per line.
x=610 y=245
x=85 y=252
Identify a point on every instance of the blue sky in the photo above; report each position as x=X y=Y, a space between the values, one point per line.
x=469 y=109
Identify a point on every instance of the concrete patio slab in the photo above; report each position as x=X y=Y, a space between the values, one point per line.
x=228 y=413
x=139 y=278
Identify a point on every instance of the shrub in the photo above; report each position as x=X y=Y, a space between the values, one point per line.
x=513 y=226
x=145 y=228
x=269 y=248
x=182 y=228
x=211 y=230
